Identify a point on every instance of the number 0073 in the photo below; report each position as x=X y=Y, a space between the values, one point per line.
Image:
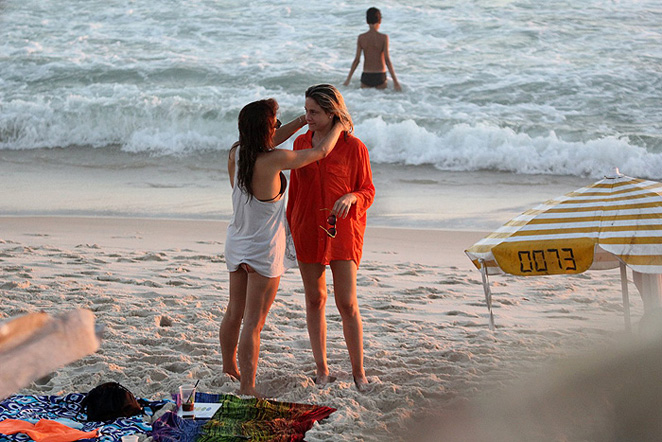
x=543 y=260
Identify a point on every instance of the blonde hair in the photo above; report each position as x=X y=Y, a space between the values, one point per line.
x=332 y=102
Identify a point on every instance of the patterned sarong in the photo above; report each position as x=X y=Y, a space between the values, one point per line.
x=240 y=420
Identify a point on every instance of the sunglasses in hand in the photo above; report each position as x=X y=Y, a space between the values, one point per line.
x=331 y=227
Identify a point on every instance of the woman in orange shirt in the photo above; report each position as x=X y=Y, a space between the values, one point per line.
x=326 y=211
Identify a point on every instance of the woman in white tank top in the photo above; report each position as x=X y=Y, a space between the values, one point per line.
x=258 y=247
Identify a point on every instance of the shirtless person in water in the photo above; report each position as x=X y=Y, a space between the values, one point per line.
x=374 y=46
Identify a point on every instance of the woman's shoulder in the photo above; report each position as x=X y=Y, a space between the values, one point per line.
x=352 y=141
x=233 y=151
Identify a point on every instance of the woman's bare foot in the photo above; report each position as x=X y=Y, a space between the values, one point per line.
x=324 y=379
x=234 y=375
x=251 y=391
x=361 y=383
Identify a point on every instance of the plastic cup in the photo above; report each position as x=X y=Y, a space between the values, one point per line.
x=130 y=438
x=187 y=398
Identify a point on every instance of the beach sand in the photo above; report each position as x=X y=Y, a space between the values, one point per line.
x=160 y=287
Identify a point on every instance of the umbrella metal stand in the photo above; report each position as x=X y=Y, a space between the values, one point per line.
x=626 y=297
x=488 y=292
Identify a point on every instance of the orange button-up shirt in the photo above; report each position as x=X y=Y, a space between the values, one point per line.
x=316 y=187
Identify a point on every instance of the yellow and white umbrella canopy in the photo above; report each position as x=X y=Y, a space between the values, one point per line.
x=617 y=220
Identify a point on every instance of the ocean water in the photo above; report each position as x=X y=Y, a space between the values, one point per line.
x=127 y=97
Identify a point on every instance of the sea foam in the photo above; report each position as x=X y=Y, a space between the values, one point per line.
x=484 y=147
x=178 y=127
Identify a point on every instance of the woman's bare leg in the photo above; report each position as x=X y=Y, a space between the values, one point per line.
x=228 y=333
x=344 y=287
x=260 y=294
x=314 y=284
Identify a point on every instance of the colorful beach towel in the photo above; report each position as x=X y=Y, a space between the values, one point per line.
x=67 y=410
x=241 y=420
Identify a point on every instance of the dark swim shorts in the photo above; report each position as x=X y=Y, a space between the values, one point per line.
x=373 y=79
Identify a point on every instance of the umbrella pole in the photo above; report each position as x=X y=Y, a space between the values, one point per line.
x=488 y=292
x=626 y=297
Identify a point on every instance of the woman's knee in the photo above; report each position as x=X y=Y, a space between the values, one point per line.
x=253 y=327
x=233 y=315
x=348 y=309
x=316 y=300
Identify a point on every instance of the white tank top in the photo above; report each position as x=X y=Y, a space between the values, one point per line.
x=258 y=234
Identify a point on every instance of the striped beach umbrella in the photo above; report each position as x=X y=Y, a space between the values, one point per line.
x=614 y=222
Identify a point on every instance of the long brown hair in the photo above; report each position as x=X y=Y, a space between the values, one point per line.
x=332 y=102
x=255 y=136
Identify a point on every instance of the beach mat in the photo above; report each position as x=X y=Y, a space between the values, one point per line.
x=67 y=410
x=240 y=420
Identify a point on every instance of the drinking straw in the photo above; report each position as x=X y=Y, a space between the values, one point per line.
x=192 y=391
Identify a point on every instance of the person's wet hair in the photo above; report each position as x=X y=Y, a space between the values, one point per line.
x=373 y=16
x=255 y=136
